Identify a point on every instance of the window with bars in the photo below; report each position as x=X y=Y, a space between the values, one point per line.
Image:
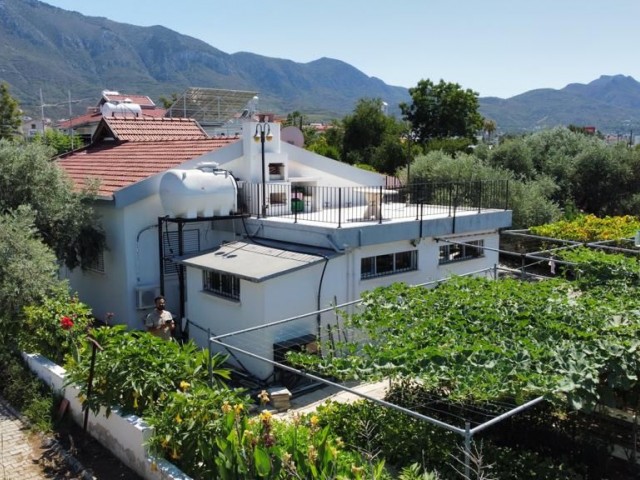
x=97 y=265
x=221 y=284
x=388 y=264
x=459 y=252
x=171 y=247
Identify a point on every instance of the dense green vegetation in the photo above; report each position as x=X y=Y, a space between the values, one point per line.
x=589 y=228
x=10 y=114
x=476 y=340
x=470 y=344
x=552 y=173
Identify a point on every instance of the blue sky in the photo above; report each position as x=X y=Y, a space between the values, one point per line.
x=495 y=47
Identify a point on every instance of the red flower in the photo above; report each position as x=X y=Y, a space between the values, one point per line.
x=66 y=322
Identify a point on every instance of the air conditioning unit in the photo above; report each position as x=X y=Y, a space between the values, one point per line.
x=146 y=296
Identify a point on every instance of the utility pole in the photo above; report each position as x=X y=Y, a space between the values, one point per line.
x=70 y=120
x=42 y=111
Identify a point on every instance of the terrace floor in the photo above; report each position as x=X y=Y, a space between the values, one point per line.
x=308 y=402
x=358 y=216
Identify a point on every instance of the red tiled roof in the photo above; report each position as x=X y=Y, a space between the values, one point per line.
x=80 y=120
x=119 y=165
x=141 y=100
x=154 y=129
x=95 y=117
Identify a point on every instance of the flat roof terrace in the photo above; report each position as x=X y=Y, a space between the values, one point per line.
x=345 y=207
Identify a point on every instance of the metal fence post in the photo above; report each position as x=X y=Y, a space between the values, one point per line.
x=210 y=358
x=467 y=450
x=95 y=346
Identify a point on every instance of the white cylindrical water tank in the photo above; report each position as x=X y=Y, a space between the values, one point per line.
x=121 y=110
x=204 y=191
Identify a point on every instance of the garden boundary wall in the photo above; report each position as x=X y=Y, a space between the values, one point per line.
x=124 y=435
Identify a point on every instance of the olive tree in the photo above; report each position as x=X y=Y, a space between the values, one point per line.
x=64 y=217
x=28 y=268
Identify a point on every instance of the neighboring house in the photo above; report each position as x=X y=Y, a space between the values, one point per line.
x=302 y=232
x=111 y=103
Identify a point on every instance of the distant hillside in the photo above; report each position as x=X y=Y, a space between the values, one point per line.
x=58 y=51
x=610 y=103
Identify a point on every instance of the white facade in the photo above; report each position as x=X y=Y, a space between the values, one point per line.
x=131 y=263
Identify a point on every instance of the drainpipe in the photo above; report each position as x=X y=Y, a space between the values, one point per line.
x=181 y=276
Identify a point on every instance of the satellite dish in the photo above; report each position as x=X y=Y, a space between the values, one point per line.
x=292 y=135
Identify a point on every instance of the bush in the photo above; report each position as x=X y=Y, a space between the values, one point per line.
x=208 y=433
x=589 y=228
x=25 y=392
x=55 y=327
x=135 y=369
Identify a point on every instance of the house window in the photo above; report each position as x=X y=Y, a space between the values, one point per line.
x=221 y=284
x=97 y=265
x=171 y=247
x=278 y=198
x=459 y=252
x=388 y=264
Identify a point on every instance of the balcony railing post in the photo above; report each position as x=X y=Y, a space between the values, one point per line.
x=380 y=205
x=506 y=196
x=479 y=196
x=450 y=197
x=339 y=207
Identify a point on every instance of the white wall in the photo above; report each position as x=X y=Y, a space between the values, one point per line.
x=124 y=435
x=131 y=261
x=281 y=297
x=104 y=292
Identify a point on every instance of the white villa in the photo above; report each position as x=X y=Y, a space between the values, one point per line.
x=238 y=233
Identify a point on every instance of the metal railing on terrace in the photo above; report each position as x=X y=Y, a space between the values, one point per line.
x=341 y=205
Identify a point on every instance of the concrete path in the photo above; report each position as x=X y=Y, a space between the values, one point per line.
x=18 y=461
x=308 y=403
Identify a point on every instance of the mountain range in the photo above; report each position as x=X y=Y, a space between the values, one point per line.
x=55 y=61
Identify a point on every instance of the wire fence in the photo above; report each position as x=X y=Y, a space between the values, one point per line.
x=256 y=349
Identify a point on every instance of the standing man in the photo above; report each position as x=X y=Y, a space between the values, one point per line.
x=160 y=322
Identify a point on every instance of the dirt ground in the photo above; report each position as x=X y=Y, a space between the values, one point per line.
x=97 y=462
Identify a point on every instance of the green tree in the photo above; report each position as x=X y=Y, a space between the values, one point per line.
x=166 y=102
x=320 y=146
x=59 y=141
x=28 y=269
x=10 y=114
x=363 y=131
x=373 y=138
x=295 y=119
x=64 y=217
x=530 y=201
x=600 y=179
x=516 y=156
x=489 y=127
x=442 y=110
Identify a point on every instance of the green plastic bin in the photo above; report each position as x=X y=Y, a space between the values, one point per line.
x=297 y=205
